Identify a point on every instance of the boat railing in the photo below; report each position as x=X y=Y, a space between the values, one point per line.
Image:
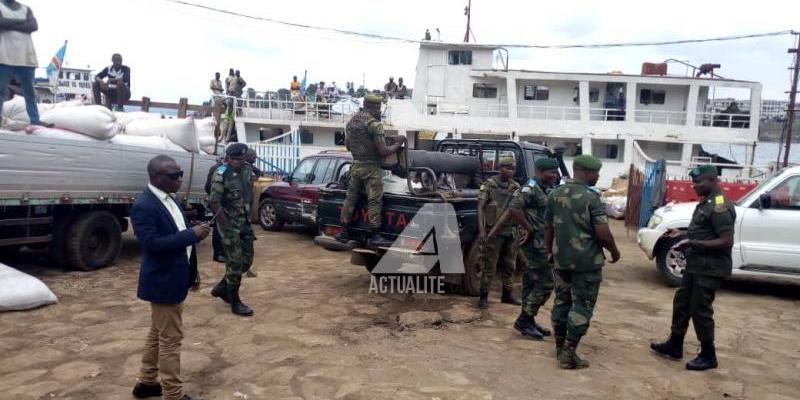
x=549 y=112
x=473 y=109
x=338 y=112
x=661 y=117
x=723 y=120
x=606 y=114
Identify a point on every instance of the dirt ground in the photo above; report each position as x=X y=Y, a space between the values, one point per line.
x=318 y=334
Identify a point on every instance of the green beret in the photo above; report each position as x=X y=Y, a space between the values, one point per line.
x=507 y=161
x=546 y=163
x=703 y=170
x=373 y=98
x=236 y=150
x=587 y=162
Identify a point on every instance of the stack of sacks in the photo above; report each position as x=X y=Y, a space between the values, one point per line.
x=95 y=121
x=205 y=134
x=179 y=131
x=55 y=133
x=153 y=142
x=125 y=118
x=15 y=116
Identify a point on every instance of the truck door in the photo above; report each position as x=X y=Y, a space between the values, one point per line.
x=769 y=237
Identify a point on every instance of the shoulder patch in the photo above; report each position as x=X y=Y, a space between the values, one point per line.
x=719 y=200
x=526 y=189
x=222 y=168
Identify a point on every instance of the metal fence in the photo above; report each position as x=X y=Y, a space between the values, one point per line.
x=279 y=155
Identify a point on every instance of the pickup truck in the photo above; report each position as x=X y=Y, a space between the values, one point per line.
x=74 y=196
x=766 y=236
x=294 y=199
x=400 y=207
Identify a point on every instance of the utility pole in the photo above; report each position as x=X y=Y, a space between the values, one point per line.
x=792 y=98
x=468 y=13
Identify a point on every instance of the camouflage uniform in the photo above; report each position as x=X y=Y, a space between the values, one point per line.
x=573 y=210
x=537 y=281
x=705 y=269
x=233 y=192
x=502 y=248
x=365 y=174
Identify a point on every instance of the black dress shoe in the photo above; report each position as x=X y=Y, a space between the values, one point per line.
x=141 y=390
x=671 y=349
x=707 y=359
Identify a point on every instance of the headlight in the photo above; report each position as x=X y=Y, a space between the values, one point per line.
x=655 y=221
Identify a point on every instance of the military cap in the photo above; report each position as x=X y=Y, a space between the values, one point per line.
x=546 y=163
x=703 y=170
x=587 y=162
x=236 y=150
x=373 y=98
x=507 y=161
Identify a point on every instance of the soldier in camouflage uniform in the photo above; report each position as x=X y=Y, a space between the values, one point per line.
x=576 y=232
x=708 y=263
x=501 y=249
x=231 y=191
x=527 y=209
x=365 y=140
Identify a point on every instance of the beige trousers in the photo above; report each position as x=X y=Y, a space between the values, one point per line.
x=162 y=351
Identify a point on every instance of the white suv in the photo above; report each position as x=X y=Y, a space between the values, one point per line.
x=766 y=241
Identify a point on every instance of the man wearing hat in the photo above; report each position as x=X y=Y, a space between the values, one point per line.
x=501 y=249
x=365 y=140
x=576 y=232
x=527 y=209
x=231 y=192
x=708 y=263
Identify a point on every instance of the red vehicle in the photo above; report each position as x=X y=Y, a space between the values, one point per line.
x=295 y=198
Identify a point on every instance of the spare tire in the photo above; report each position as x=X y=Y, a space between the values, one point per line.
x=93 y=241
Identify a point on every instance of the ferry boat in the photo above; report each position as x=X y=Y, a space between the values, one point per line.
x=466 y=90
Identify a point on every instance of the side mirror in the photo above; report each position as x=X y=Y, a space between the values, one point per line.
x=764 y=201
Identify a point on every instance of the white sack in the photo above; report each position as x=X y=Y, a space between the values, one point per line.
x=615 y=206
x=153 y=142
x=180 y=131
x=15 y=116
x=95 y=121
x=55 y=133
x=22 y=291
x=125 y=118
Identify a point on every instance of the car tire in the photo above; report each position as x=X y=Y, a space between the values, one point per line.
x=471 y=283
x=93 y=241
x=268 y=216
x=666 y=260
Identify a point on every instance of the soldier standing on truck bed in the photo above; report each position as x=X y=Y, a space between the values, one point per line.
x=231 y=192
x=501 y=250
x=527 y=209
x=708 y=263
x=365 y=140
x=576 y=232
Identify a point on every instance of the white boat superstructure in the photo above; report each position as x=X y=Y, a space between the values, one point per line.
x=467 y=91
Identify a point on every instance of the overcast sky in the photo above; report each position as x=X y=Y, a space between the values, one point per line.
x=174 y=50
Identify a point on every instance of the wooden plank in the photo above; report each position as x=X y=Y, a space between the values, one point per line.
x=183 y=104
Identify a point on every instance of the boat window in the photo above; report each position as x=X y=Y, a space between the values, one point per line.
x=647 y=96
x=460 y=57
x=594 y=95
x=306 y=137
x=484 y=91
x=338 y=138
x=533 y=92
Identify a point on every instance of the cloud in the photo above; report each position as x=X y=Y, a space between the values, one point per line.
x=174 y=50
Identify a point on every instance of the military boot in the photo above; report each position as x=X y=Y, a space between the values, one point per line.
x=525 y=325
x=568 y=358
x=707 y=359
x=237 y=307
x=483 y=301
x=221 y=291
x=560 y=334
x=508 y=298
x=543 y=330
x=343 y=236
x=671 y=349
x=377 y=240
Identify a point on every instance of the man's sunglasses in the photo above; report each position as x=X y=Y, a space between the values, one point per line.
x=174 y=175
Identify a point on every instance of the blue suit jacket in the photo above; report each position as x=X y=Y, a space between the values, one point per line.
x=166 y=274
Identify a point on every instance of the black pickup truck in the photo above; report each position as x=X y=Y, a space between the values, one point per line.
x=400 y=206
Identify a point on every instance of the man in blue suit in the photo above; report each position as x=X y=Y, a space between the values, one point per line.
x=169 y=270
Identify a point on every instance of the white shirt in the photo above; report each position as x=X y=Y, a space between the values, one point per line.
x=174 y=211
x=16 y=48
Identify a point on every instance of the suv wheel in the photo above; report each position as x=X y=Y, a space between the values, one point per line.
x=671 y=263
x=268 y=216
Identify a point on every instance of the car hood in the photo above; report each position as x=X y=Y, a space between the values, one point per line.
x=676 y=211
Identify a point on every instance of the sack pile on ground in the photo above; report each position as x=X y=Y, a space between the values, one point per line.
x=73 y=120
